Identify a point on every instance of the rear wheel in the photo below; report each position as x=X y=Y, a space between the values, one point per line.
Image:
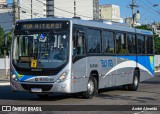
x=134 y=85
x=91 y=88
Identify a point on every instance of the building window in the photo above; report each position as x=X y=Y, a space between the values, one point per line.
x=94 y=41
x=108 y=42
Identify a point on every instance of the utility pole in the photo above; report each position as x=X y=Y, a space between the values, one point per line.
x=132 y=7
x=15 y=11
x=74 y=8
x=31 y=10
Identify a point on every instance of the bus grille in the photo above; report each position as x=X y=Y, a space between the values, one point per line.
x=40 y=73
x=44 y=87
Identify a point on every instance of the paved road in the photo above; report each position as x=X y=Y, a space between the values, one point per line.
x=147 y=94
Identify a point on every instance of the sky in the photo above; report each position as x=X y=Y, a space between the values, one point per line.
x=148 y=13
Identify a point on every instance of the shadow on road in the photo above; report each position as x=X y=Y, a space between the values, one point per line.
x=7 y=94
x=128 y=98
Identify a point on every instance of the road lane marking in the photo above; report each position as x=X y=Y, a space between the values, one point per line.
x=139 y=112
x=5 y=83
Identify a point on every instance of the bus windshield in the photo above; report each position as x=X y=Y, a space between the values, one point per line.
x=50 y=50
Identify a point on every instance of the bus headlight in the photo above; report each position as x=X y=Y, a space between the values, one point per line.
x=63 y=76
x=14 y=77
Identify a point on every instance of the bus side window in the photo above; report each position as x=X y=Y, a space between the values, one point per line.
x=94 y=41
x=108 y=42
x=131 y=44
x=149 y=45
x=121 y=43
x=78 y=43
x=141 y=44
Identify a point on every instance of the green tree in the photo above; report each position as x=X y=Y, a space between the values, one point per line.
x=144 y=27
x=156 y=38
x=2 y=47
x=1 y=41
x=157 y=44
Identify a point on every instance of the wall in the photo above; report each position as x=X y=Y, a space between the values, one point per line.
x=157 y=60
x=38 y=9
x=4 y=72
x=84 y=8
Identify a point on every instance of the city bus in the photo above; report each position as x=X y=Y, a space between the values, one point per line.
x=68 y=55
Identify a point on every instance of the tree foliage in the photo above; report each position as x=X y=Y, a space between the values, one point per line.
x=2 y=47
x=1 y=41
x=156 y=38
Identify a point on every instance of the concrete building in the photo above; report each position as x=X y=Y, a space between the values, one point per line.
x=156 y=28
x=32 y=9
x=49 y=8
x=110 y=12
x=86 y=9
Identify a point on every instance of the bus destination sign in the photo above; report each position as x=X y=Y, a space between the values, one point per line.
x=42 y=26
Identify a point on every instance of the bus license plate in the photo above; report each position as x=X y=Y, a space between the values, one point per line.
x=36 y=89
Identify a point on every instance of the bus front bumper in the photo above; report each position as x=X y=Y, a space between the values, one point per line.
x=62 y=87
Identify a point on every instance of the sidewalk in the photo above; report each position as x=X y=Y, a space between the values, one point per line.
x=4 y=81
x=3 y=78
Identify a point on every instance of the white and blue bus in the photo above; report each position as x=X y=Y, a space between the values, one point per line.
x=78 y=56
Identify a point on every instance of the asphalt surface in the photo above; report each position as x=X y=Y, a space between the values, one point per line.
x=148 y=93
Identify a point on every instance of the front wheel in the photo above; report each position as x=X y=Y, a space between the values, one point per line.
x=134 y=85
x=91 y=88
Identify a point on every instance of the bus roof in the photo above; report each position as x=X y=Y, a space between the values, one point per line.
x=96 y=24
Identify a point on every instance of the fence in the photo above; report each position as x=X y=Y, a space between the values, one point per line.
x=157 y=62
x=4 y=66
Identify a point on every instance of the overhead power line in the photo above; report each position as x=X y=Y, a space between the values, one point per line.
x=147 y=10
x=149 y=6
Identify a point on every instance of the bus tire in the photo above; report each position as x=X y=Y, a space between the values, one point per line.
x=91 y=88
x=135 y=83
x=43 y=96
x=125 y=87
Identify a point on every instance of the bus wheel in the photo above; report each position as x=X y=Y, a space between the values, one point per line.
x=43 y=96
x=91 y=87
x=125 y=87
x=134 y=85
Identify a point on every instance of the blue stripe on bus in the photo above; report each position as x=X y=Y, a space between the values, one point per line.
x=146 y=61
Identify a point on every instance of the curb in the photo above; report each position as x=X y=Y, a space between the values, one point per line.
x=3 y=78
x=5 y=84
x=7 y=80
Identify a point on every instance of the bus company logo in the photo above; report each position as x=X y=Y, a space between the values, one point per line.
x=107 y=63
x=6 y=108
